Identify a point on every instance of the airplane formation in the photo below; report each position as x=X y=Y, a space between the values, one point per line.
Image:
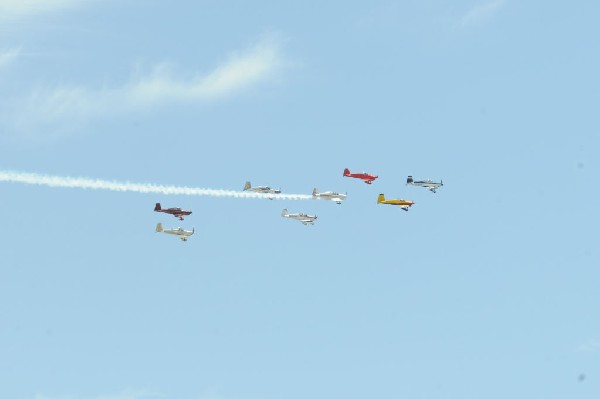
x=303 y=218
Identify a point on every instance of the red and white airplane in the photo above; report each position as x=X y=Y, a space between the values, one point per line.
x=368 y=178
x=177 y=212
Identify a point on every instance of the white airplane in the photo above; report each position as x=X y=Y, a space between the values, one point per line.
x=181 y=233
x=430 y=184
x=261 y=189
x=301 y=217
x=329 y=195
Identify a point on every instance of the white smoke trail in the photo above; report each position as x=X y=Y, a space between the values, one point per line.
x=97 y=184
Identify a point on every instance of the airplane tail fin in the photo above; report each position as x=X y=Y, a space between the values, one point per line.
x=346 y=172
x=159 y=228
x=157 y=207
x=315 y=192
x=380 y=198
x=284 y=213
x=247 y=186
x=409 y=180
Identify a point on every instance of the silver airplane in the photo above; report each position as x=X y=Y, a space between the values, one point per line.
x=179 y=232
x=430 y=184
x=301 y=217
x=261 y=189
x=329 y=195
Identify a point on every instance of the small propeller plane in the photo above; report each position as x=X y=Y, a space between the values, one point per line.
x=177 y=212
x=430 y=184
x=404 y=204
x=261 y=189
x=329 y=195
x=301 y=217
x=179 y=232
x=368 y=178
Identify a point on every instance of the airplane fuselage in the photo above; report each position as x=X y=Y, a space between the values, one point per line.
x=367 y=177
x=430 y=184
x=329 y=195
x=261 y=189
x=404 y=204
x=304 y=218
x=264 y=190
x=177 y=212
x=179 y=232
x=401 y=202
x=182 y=234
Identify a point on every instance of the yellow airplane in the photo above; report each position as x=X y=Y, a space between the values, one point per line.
x=404 y=204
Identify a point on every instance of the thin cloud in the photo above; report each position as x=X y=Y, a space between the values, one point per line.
x=122 y=395
x=239 y=72
x=481 y=13
x=162 y=86
x=9 y=56
x=10 y=9
x=590 y=346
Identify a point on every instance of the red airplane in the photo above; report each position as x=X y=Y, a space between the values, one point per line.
x=368 y=178
x=177 y=212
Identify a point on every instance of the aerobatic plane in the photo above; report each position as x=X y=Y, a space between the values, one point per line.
x=179 y=232
x=404 y=204
x=261 y=189
x=368 y=178
x=329 y=195
x=430 y=184
x=301 y=217
x=177 y=212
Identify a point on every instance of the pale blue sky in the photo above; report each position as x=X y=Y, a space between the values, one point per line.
x=487 y=289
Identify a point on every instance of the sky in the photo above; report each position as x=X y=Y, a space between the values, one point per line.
x=487 y=288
